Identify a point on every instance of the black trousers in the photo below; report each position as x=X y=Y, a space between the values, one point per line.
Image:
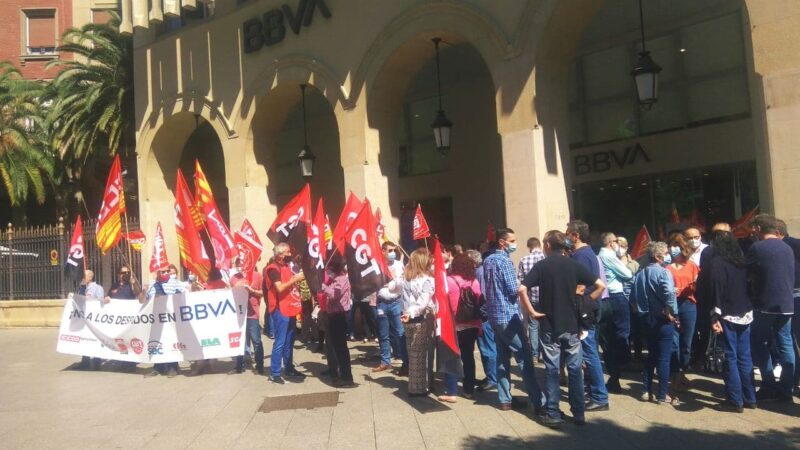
x=336 y=346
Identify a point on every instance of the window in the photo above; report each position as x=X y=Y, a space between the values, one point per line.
x=418 y=155
x=703 y=80
x=101 y=16
x=39 y=32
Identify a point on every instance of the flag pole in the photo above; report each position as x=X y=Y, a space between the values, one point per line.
x=134 y=279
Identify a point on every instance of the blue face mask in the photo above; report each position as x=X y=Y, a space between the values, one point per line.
x=674 y=251
x=391 y=256
x=568 y=243
x=512 y=247
x=667 y=259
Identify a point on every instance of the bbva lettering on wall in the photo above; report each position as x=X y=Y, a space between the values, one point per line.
x=271 y=28
x=605 y=160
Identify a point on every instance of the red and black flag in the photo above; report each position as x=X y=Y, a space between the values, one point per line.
x=75 y=264
x=366 y=265
x=291 y=224
x=448 y=355
x=313 y=261
x=351 y=210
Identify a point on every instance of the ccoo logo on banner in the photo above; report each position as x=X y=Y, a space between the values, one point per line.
x=181 y=327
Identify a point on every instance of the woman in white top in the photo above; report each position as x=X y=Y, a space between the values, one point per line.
x=419 y=309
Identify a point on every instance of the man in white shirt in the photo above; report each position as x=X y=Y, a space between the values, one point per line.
x=616 y=315
x=695 y=242
x=389 y=308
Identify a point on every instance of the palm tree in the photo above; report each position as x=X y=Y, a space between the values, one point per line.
x=26 y=164
x=92 y=116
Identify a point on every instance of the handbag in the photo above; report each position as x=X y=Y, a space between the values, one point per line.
x=715 y=361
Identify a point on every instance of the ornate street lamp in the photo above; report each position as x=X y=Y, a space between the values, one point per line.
x=645 y=74
x=440 y=125
x=306 y=157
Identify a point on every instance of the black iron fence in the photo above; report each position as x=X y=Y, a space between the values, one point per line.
x=32 y=260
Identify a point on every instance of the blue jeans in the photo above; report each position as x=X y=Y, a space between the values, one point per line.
x=682 y=341
x=253 y=334
x=796 y=330
x=488 y=351
x=778 y=327
x=268 y=325
x=598 y=392
x=616 y=328
x=283 y=347
x=533 y=337
x=450 y=384
x=390 y=332
x=660 y=334
x=568 y=344
x=510 y=340
x=739 y=387
x=466 y=344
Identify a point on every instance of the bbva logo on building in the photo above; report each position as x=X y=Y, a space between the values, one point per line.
x=271 y=29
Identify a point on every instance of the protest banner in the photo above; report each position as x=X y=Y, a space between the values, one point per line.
x=172 y=328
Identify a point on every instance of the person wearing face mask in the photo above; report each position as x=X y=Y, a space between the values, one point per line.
x=167 y=283
x=284 y=303
x=684 y=274
x=124 y=289
x=577 y=235
x=617 y=324
x=695 y=243
x=503 y=307
x=389 y=309
x=653 y=293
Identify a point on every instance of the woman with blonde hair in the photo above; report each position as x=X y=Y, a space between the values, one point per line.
x=419 y=307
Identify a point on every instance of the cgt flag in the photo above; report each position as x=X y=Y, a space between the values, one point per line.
x=73 y=268
x=136 y=239
x=193 y=252
x=158 y=260
x=366 y=266
x=640 y=245
x=291 y=223
x=249 y=250
x=109 y=222
x=218 y=231
x=351 y=210
x=421 y=230
x=448 y=355
x=313 y=259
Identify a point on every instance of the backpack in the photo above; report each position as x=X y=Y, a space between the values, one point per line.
x=469 y=305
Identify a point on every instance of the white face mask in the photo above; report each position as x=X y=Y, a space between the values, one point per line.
x=173 y=276
x=192 y=277
x=694 y=243
x=621 y=251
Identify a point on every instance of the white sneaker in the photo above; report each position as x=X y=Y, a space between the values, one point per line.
x=777 y=371
x=756 y=371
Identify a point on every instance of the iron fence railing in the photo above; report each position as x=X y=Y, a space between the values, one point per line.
x=32 y=260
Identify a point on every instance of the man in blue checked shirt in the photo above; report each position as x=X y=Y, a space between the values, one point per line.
x=502 y=305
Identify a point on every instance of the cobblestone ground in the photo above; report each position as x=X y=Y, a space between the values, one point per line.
x=45 y=404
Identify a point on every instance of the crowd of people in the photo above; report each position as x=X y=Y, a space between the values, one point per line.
x=574 y=309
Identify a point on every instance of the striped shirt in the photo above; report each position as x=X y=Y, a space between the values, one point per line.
x=525 y=265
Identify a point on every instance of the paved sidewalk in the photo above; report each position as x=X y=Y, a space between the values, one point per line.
x=43 y=404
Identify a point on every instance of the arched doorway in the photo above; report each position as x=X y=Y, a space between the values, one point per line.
x=203 y=145
x=691 y=158
x=459 y=192
x=278 y=138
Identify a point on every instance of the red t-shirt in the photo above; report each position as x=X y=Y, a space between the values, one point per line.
x=215 y=284
x=685 y=280
x=253 y=302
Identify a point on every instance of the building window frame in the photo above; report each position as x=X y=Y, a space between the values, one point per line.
x=48 y=53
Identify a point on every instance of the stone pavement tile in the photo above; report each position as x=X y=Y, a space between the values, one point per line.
x=314 y=422
x=312 y=441
x=399 y=439
x=265 y=430
x=484 y=420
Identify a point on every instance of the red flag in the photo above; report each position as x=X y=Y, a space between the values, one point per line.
x=366 y=265
x=158 y=260
x=313 y=260
x=73 y=268
x=448 y=353
x=193 y=252
x=351 y=210
x=676 y=218
x=291 y=223
x=136 y=239
x=109 y=222
x=490 y=233
x=640 y=245
x=248 y=230
x=421 y=230
x=218 y=231
x=248 y=251
x=380 y=228
x=741 y=228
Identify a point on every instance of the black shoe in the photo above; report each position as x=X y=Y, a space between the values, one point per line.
x=579 y=420
x=727 y=406
x=592 y=406
x=293 y=373
x=260 y=371
x=613 y=386
x=552 y=422
x=750 y=405
x=277 y=380
x=152 y=373
x=235 y=371
x=766 y=396
x=171 y=373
